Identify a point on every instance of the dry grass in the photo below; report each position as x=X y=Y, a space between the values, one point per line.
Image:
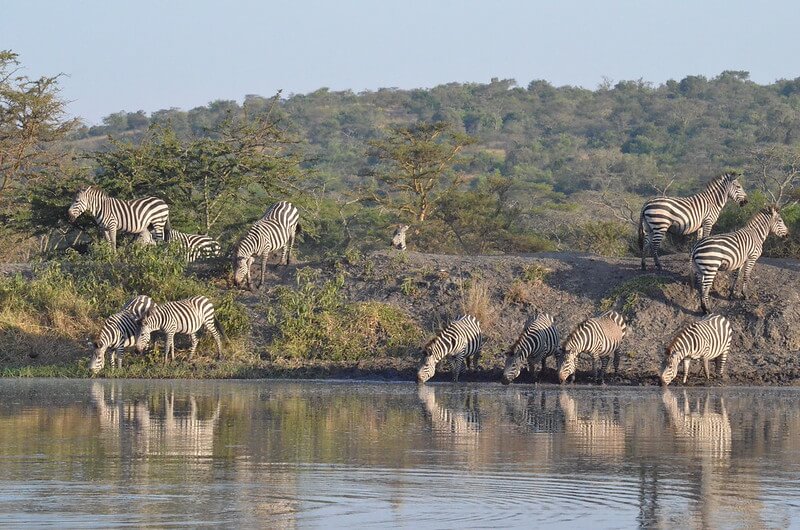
x=476 y=300
x=519 y=293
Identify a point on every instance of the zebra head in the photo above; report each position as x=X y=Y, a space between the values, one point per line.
x=776 y=225
x=734 y=189
x=669 y=369
x=428 y=365
x=98 y=360
x=514 y=363
x=146 y=329
x=566 y=364
x=241 y=270
x=84 y=200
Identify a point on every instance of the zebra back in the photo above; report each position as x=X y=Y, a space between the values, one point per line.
x=197 y=246
x=285 y=213
x=181 y=316
x=133 y=216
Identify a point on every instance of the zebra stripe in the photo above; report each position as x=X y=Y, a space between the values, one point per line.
x=119 y=332
x=686 y=215
x=600 y=337
x=706 y=339
x=538 y=341
x=263 y=237
x=734 y=251
x=114 y=215
x=461 y=340
x=196 y=246
x=184 y=316
x=399 y=237
x=287 y=215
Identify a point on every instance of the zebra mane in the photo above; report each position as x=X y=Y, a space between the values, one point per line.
x=765 y=213
x=96 y=189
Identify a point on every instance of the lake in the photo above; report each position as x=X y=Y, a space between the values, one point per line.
x=83 y=453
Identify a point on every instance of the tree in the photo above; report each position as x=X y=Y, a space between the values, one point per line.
x=415 y=166
x=776 y=170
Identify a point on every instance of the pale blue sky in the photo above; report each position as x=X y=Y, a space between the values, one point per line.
x=147 y=54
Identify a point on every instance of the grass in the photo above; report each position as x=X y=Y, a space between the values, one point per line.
x=476 y=300
x=630 y=292
x=535 y=274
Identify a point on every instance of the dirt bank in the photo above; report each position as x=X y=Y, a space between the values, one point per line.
x=572 y=287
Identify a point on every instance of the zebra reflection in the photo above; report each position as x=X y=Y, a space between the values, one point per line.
x=458 y=420
x=703 y=431
x=596 y=433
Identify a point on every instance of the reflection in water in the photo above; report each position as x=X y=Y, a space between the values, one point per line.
x=285 y=454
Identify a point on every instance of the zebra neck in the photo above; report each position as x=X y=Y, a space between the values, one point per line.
x=759 y=226
x=715 y=194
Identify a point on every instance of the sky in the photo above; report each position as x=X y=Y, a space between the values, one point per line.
x=149 y=55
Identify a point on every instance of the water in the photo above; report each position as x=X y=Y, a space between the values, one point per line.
x=322 y=454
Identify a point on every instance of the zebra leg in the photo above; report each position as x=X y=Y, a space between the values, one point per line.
x=603 y=365
x=212 y=328
x=686 y=362
x=734 y=283
x=120 y=351
x=263 y=268
x=745 y=271
x=195 y=340
x=655 y=243
x=705 y=368
x=169 y=346
x=706 y=281
x=113 y=357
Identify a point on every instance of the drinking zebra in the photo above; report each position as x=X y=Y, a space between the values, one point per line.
x=600 y=337
x=196 y=246
x=538 y=341
x=118 y=332
x=734 y=251
x=186 y=316
x=706 y=339
x=399 y=237
x=115 y=215
x=461 y=340
x=287 y=215
x=686 y=215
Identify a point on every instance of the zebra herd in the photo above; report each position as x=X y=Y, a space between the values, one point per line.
x=461 y=341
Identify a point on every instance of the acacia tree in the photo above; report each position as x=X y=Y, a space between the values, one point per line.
x=415 y=167
x=776 y=170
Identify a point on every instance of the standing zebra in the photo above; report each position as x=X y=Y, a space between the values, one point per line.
x=686 y=215
x=186 y=316
x=197 y=246
x=399 y=237
x=706 y=339
x=600 y=337
x=733 y=251
x=118 y=332
x=538 y=341
x=461 y=340
x=113 y=215
x=263 y=237
x=286 y=214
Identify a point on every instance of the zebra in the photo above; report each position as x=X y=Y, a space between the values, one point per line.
x=286 y=214
x=197 y=246
x=118 y=332
x=184 y=316
x=599 y=336
x=113 y=215
x=706 y=339
x=538 y=341
x=461 y=340
x=686 y=215
x=734 y=251
x=399 y=237
x=263 y=237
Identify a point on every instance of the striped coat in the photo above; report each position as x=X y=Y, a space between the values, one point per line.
x=600 y=337
x=737 y=250
x=263 y=237
x=686 y=215
x=186 y=316
x=114 y=215
x=196 y=246
x=538 y=341
x=286 y=214
x=707 y=339
x=119 y=332
x=461 y=341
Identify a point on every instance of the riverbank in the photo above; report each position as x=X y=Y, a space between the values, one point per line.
x=389 y=304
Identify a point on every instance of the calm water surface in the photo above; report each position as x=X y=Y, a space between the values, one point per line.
x=322 y=454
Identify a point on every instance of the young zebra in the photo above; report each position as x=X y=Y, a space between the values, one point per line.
x=184 y=316
x=263 y=237
x=686 y=215
x=118 y=332
x=706 y=339
x=461 y=340
x=733 y=251
x=399 y=237
x=113 y=215
x=538 y=341
x=197 y=246
x=286 y=214
x=600 y=337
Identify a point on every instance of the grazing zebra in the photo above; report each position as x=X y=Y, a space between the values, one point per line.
x=184 y=316
x=733 y=251
x=263 y=237
x=706 y=339
x=399 y=237
x=600 y=337
x=538 y=341
x=686 y=215
x=197 y=246
x=287 y=215
x=114 y=215
x=118 y=332
x=461 y=340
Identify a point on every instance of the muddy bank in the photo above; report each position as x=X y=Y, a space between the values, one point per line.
x=431 y=288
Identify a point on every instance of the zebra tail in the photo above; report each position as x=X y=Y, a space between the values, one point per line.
x=641 y=231
x=167 y=229
x=616 y=361
x=219 y=327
